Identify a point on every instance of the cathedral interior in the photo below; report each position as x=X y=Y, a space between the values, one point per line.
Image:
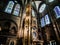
x=29 y=22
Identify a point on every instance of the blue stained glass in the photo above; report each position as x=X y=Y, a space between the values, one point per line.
x=9 y=7
x=47 y=20
x=16 y=10
x=57 y=11
x=42 y=22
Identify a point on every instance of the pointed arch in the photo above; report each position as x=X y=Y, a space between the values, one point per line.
x=9 y=7
x=16 y=10
x=37 y=3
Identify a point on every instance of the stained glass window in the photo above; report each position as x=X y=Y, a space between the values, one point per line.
x=57 y=11
x=42 y=8
x=16 y=10
x=47 y=19
x=42 y=22
x=9 y=7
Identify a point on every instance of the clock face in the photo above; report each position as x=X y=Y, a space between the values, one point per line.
x=42 y=8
